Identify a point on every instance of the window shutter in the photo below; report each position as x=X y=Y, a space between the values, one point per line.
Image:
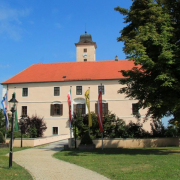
x=106 y=108
x=61 y=109
x=52 y=109
x=96 y=108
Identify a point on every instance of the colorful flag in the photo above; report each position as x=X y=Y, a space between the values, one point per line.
x=5 y=114
x=100 y=118
x=69 y=104
x=5 y=102
x=88 y=106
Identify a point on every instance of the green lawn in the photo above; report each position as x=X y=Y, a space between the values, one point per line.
x=132 y=164
x=14 y=173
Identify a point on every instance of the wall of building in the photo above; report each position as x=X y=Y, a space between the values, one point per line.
x=90 y=53
x=41 y=96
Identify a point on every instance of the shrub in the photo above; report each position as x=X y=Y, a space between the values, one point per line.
x=33 y=126
x=32 y=131
x=2 y=140
x=86 y=139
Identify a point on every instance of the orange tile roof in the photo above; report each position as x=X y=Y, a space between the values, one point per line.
x=74 y=71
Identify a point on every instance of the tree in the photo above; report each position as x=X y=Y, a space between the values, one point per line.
x=33 y=126
x=152 y=40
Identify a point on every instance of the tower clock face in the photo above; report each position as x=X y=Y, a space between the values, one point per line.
x=85 y=55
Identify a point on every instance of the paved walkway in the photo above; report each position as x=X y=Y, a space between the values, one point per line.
x=42 y=166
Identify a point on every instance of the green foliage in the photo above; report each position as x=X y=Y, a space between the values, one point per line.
x=32 y=131
x=2 y=140
x=117 y=128
x=151 y=40
x=33 y=126
x=86 y=139
x=2 y=120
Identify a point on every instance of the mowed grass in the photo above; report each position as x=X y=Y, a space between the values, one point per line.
x=16 y=172
x=128 y=164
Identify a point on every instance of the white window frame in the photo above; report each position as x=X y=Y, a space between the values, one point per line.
x=59 y=91
x=57 y=128
x=21 y=109
x=76 y=91
x=22 y=92
x=98 y=89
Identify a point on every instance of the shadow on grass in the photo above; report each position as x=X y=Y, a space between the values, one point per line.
x=124 y=151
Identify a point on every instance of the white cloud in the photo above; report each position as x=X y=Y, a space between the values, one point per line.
x=11 y=21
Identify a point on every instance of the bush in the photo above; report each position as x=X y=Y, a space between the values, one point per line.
x=2 y=140
x=86 y=139
x=32 y=132
x=33 y=126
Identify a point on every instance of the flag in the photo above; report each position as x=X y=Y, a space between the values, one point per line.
x=5 y=102
x=16 y=127
x=69 y=104
x=88 y=106
x=100 y=119
x=5 y=114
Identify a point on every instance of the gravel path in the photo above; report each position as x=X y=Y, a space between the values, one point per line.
x=42 y=166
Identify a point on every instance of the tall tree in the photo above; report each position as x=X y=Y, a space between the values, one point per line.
x=152 y=40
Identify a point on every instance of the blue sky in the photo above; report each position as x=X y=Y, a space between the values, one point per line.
x=46 y=31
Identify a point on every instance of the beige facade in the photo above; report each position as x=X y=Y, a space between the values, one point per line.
x=41 y=96
x=85 y=53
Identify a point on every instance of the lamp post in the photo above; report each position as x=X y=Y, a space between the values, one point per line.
x=12 y=106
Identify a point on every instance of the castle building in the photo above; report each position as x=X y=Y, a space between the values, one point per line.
x=42 y=89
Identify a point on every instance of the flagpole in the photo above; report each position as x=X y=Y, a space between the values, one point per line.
x=70 y=118
x=102 y=120
x=89 y=111
x=5 y=128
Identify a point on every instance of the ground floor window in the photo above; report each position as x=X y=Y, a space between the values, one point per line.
x=80 y=108
x=135 y=109
x=55 y=130
x=24 y=111
x=104 y=108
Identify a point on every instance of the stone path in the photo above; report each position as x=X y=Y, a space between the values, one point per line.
x=42 y=166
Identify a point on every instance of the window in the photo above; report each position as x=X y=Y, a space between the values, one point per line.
x=78 y=90
x=55 y=130
x=24 y=111
x=85 y=59
x=85 y=50
x=102 y=89
x=24 y=91
x=135 y=109
x=104 y=108
x=56 y=91
x=56 y=109
x=79 y=108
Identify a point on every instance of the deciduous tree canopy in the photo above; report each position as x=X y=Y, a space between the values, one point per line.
x=152 y=40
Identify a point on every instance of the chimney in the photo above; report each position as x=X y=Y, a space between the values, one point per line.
x=116 y=58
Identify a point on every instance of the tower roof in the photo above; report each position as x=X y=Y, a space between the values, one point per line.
x=86 y=39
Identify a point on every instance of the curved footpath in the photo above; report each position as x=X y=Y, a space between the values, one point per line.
x=40 y=163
